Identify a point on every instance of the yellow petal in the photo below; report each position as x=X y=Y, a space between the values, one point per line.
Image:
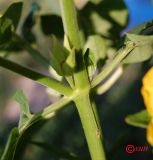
x=150 y=133
x=148 y=78
x=147 y=91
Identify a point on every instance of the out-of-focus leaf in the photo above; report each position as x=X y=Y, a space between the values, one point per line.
x=143 y=48
x=52 y=24
x=108 y=18
x=97 y=47
x=14 y=13
x=140 y=119
x=8 y=23
x=11 y=145
x=62 y=60
x=29 y=23
x=143 y=29
x=25 y=114
x=6 y=28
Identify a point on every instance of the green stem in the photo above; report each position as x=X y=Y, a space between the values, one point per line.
x=121 y=54
x=86 y=109
x=40 y=78
x=19 y=138
x=47 y=113
x=72 y=31
x=90 y=121
x=70 y=22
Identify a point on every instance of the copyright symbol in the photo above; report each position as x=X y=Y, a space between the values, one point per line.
x=130 y=148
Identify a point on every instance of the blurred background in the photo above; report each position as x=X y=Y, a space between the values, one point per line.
x=64 y=131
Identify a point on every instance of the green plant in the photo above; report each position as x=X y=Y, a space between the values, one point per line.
x=80 y=62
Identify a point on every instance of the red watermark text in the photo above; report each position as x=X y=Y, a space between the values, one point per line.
x=130 y=148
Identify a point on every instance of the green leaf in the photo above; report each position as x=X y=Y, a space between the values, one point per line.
x=25 y=114
x=140 y=119
x=11 y=145
x=6 y=28
x=90 y=62
x=97 y=47
x=14 y=13
x=67 y=43
x=62 y=60
x=18 y=140
x=8 y=23
x=143 y=29
x=143 y=48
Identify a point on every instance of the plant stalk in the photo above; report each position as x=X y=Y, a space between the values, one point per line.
x=72 y=31
x=81 y=96
x=90 y=122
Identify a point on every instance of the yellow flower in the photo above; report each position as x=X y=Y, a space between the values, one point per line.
x=147 y=93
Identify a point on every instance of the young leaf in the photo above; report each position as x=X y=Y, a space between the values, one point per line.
x=140 y=119
x=11 y=145
x=70 y=62
x=90 y=62
x=67 y=43
x=97 y=46
x=62 y=60
x=25 y=114
x=143 y=48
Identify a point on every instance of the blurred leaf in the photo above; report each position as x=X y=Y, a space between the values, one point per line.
x=14 y=13
x=143 y=29
x=108 y=18
x=52 y=24
x=6 y=29
x=143 y=48
x=29 y=22
x=25 y=114
x=57 y=152
x=140 y=119
x=11 y=145
x=61 y=60
x=97 y=47
x=8 y=23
